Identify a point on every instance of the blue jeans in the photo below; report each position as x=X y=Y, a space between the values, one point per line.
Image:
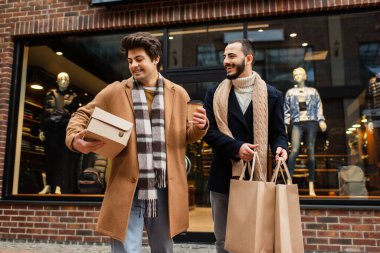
x=156 y=228
x=219 y=205
x=299 y=128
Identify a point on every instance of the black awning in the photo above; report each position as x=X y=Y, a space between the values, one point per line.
x=108 y=2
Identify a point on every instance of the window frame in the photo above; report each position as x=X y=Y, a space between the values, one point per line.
x=15 y=90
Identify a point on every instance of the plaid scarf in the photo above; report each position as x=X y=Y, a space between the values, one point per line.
x=151 y=150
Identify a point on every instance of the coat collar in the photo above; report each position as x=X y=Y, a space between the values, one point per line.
x=169 y=93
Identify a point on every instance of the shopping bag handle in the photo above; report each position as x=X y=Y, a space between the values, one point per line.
x=251 y=169
x=277 y=169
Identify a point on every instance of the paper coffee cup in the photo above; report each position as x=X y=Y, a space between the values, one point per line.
x=192 y=106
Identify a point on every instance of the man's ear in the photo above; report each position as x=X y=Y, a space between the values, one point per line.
x=156 y=60
x=250 y=59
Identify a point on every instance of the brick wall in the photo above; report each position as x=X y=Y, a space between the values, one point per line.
x=326 y=230
x=341 y=230
x=67 y=223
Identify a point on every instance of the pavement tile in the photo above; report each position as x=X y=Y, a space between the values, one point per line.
x=41 y=247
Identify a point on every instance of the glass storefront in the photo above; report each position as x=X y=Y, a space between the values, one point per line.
x=339 y=53
x=208 y=49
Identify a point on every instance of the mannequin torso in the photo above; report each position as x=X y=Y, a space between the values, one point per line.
x=303 y=103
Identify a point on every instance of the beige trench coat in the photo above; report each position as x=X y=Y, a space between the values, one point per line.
x=116 y=98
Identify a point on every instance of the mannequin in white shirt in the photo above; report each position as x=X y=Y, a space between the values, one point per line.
x=305 y=117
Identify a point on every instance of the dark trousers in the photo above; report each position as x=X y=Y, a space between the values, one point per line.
x=61 y=163
x=309 y=128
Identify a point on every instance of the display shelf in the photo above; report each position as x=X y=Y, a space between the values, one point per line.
x=32 y=157
x=33 y=121
x=28 y=102
x=317 y=170
x=36 y=164
x=30 y=152
x=320 y=190
x=326 y=173
x=30 y=136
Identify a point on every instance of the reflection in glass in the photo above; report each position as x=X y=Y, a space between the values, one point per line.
x=201 y=46
x=369 y=59
x=44 y=165
x=346 y=155
x=197 y=90
x=342 y=67
x=279 y=62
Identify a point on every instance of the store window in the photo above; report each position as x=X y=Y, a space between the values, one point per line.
x=339 y=65
x=343 y=160
x=62 y=74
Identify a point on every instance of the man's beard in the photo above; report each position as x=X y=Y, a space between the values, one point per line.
x=239 y=69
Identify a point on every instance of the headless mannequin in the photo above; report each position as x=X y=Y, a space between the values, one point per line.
x=302 y=123
x=59 y=105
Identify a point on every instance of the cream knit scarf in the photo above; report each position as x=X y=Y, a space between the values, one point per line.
x=260 y=120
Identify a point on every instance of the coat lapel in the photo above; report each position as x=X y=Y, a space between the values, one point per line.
x=169 y=93
x=235 y=110
x=128 y=91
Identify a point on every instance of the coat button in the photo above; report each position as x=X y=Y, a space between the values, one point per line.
x=133 y=180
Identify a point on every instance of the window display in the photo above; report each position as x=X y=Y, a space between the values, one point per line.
x=92 y=175
x=369 y=135
x=47 y=166
x=32 y=176
x=303 y=114
x=61 y=162
x=373 y=103
x=337 y=69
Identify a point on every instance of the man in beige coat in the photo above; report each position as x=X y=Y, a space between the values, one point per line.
x=148 y=184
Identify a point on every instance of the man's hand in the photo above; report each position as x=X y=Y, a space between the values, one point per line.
x=83 y=146
x=280 y=152
x=246 y=151
x=200 y=118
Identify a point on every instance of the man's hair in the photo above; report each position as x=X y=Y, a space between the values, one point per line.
x=247 y=46
x=150 y=44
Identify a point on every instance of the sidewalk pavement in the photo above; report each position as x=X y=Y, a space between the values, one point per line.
x=41 y=247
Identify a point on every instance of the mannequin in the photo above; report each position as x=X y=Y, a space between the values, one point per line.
x=303 y=111
x=61 y=162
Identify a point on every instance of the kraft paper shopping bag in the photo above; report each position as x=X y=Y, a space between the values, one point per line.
x=250 y=219
x=288 y=226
